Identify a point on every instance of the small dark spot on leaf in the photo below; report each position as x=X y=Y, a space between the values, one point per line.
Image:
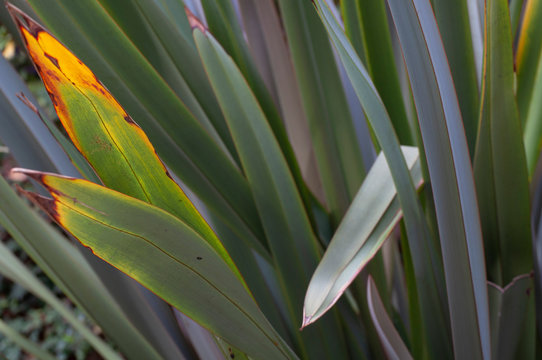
x=199 y=258
x=128 y=119
x=53 y=98
x=53 y=59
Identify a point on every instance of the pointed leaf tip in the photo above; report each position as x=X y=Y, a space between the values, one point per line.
x=307 y=320
x=194 y=21
x=18 y=16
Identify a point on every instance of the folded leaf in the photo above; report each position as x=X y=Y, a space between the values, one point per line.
x=367 y=224
x=165 y=255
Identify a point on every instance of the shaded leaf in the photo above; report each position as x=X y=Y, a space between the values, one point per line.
x=499 y=163
x=14 y=269
x=24 y=343
x=451 y=177
x=294 y=246
x=337 y=152
x=511 y=308
x=393 y=345
x=416 y=225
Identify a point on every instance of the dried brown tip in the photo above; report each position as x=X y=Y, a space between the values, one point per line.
x=46 y=204
x=21 y=96
x=22 y=20
x=194 y=22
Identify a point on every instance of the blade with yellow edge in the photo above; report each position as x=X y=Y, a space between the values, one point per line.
x=163 y=254
x=114 y=145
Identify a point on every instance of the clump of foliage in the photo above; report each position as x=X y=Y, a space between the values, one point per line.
x=366 y=171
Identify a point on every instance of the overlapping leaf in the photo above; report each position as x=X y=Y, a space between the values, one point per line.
x=68 y=268
x=366 y=225
x=92 y=33
x=416 y=225
x=294 y=246
x=165 y=255
x=450 y=170
x=499 y=163
x=106 y=135
x=393 y=345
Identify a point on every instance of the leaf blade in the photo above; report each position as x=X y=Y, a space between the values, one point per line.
x=363 y=230
x=149 y=242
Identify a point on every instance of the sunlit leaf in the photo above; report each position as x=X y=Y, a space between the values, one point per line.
x=368 y=222
x=104 y=133
x=165 y=255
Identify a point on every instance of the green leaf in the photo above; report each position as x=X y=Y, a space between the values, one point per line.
x=163 y=42
x=353 y=26
x=374 y=213
x=223 y=22
x=105 y=134
x=61 y=261
x=381 y=64
x=293 y=244
x=499 y=163
x=453 y=22
x=527 y=60
x=529 y=81
x=337 y=152
x=416 y=225
x=14 y=269
x=393 y=345
x=180 y=140
x=451 y=176
x=146 y=242
x=269 y=48
x=511 y=308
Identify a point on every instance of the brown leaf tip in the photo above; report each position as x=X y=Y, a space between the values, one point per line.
x=46 y=204
x=21 y=96
x=193 y=20
x=22 y=20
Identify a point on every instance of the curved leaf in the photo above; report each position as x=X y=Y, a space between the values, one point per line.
x=68 y=268
x=106 y=135
x=293 y=244
x=165 y=255
x=393 y=345
x=451 y=176
x=336 y=148
x=416 y=225
x=91 y=32
x=366 y=225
